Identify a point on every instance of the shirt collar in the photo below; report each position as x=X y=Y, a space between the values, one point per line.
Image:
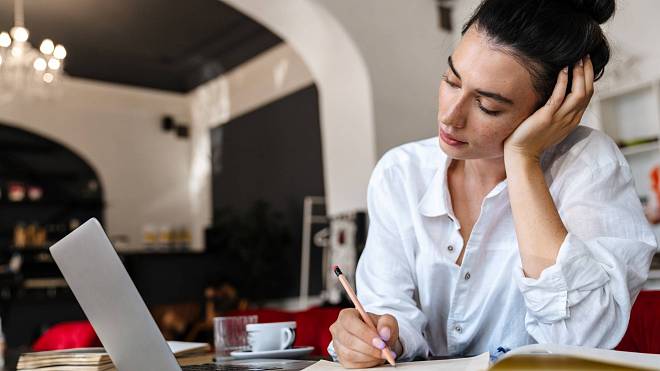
x=437 y=201
x=497 y=189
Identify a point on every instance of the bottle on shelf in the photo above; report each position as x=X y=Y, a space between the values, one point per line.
x=35 y=193
x=149 y=236
x=15 y=191
x=20 y=236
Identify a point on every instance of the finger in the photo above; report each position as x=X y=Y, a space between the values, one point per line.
x=578 y=85
x=351 y=321
x=577 y=97
x=558 y=93
x=374 y=317
x=388 y=329
x=353 y=342
x=589 y=75
x=361 y=365
x=354 y=365
x=347 y=354
x=351 y=358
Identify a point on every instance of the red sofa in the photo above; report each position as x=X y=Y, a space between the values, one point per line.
x=67 y=335
x=643 y=334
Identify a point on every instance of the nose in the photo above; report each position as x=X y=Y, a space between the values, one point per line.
x=453 y=110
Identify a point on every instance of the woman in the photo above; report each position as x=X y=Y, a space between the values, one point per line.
x=515 y=226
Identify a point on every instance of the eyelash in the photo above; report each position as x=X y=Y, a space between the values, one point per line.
x=486 y=111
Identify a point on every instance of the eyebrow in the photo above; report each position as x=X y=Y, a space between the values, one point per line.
x=488 y=94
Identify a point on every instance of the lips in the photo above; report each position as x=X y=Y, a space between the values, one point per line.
x=450 y=139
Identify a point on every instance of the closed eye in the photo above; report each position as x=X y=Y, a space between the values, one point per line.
x=482 y=108
x=446 y=79
x=487 y=111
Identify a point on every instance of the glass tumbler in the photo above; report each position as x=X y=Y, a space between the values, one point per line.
x=229 y=334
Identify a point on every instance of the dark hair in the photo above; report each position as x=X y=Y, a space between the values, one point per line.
x=547 y=35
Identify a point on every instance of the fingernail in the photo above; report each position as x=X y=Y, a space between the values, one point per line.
x=385 y=333
x=565 y=70
x=378 y=343
x=589 y=57
x=393 y=354
x=580 y=63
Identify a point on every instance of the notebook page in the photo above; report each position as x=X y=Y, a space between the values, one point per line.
x=478 y=363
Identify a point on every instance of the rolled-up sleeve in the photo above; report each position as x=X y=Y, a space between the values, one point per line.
x=585 y=298
x=385 y=278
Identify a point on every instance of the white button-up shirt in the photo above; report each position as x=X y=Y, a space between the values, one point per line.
x=408 y=266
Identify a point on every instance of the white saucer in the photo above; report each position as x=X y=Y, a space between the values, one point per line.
x=285 y=353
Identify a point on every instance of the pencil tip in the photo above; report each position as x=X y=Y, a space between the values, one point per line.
x=336 y=269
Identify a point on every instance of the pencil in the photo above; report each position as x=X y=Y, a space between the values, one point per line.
x=344 y=282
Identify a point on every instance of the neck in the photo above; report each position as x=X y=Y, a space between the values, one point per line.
x=485 y=172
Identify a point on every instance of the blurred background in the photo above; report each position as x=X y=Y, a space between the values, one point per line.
x=226 y=145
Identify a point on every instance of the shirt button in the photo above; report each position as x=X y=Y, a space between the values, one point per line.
x=467 y=276
x=450 y=248
x=458 y=329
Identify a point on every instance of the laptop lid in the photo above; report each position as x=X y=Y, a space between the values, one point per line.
x=110 y=300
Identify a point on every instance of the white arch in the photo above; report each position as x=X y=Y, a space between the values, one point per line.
x=342 y=79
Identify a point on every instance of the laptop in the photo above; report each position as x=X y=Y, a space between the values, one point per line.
x=117 y=312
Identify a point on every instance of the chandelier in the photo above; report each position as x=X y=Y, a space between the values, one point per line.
x=25 y=70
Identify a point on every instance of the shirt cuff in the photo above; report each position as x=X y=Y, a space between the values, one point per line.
x=412 y=341
x=549 y=297
x=332 y=353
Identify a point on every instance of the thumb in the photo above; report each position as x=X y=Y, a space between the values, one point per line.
x=388 y=329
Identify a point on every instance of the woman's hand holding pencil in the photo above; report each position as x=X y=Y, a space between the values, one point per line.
x=364 y=342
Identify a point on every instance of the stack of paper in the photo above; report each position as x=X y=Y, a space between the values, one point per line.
x=96 y=359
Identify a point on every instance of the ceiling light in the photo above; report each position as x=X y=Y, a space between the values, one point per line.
x=53 y=64
x=19 y=34
x=47 y=46
x=39 y=64
x=25 y=70
x=5 y=39
x=59 y=52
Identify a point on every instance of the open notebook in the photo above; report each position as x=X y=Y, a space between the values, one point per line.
x=96 y=359
x=535 y=356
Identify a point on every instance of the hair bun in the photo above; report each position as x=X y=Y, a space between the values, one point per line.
x=599 y=10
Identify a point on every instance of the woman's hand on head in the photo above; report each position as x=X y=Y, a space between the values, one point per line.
x=561 y=114
x=357 y=345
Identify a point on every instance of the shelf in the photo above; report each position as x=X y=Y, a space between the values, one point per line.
x=623 y=90
x=628 y=112
x=640 y=148
x=48 y=203
x=45 y=283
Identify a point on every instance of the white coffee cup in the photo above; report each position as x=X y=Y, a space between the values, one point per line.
x=271 y=336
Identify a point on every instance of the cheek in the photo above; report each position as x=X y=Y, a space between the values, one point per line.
x=492 y=133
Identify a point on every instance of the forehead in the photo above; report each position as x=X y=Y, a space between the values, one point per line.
x=485 y=66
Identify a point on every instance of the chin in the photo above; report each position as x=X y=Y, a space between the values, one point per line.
x=463 y=153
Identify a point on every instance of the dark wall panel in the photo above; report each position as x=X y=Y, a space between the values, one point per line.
x=272 y=155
